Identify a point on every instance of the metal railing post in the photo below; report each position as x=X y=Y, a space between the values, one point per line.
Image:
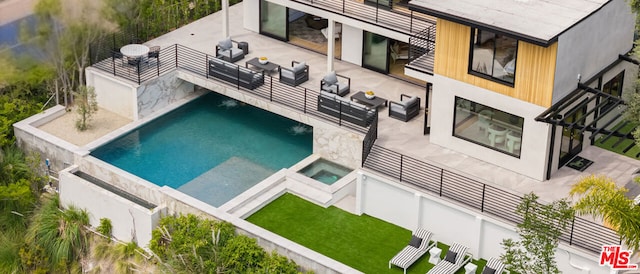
x=411 y=22
x=377 y=8
x=176 y=48
x=441 y=182
x=484 y=188
x=206 y=71
x=340 y=113
x=304 y=107
x=573 y=222
x=270 y=87
x=401 y=161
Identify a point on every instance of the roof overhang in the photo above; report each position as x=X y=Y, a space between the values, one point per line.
x=537 y=22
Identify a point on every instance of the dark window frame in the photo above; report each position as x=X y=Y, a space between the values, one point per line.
x=608 y=88
x=477 y=108
x=487 y=76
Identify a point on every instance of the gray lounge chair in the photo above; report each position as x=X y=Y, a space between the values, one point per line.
x=456 y=257
x=419 y=245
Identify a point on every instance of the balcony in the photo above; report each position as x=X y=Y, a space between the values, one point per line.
x=394 y=15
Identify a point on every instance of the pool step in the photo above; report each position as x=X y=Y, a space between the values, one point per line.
x=270 y=189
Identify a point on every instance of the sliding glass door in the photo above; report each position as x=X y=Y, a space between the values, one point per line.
x=375 y=52
x=273 y=20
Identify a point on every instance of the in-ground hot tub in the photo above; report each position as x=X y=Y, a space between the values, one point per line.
x=325 y=171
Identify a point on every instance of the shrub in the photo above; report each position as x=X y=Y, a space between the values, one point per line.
x=105 y=227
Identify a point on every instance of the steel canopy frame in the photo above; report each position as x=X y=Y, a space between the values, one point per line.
x=559 y=113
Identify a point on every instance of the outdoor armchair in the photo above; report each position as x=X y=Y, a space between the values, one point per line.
x=419 y=244
x=331 y=83
x=456 y=257
x=297 y=74
x=154 y=52
x=406 y=109
x=226 y=51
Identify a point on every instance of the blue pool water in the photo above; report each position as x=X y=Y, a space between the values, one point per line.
x=212 y=149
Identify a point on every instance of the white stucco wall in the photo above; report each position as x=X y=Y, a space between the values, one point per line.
x=112 y=93
x=449 y=222
x=535 y=135
x=352 y=38
x=592 y=44
x=130 y=221
x=251 y=16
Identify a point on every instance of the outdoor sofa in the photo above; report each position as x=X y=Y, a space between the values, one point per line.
x=344 y=109
x=235 y=74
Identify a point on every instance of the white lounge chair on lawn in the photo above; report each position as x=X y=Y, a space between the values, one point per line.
x=419 y=245
x=457 y=256
x=493 y=266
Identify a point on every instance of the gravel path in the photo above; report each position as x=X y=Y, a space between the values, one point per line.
x=102 y=122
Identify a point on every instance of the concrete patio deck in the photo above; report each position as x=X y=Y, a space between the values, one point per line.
x=405 y=138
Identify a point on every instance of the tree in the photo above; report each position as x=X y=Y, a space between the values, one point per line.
x=539 y=233
x=66 y=30
x=600 y=197
x=632 y=112
x=58 y=236
x=86 y=106
x=188 y=244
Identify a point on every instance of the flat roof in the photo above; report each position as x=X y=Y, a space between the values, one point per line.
x=536 y=21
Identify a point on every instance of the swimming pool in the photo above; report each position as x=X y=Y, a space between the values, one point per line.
x=212 y=149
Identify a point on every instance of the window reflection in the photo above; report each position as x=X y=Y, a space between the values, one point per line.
x=488 y=126
x=493 y=55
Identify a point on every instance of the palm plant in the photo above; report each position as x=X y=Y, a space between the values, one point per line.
x=60 y=234
x=601 y=198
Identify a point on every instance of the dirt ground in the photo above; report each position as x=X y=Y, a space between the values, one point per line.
x=102 y=122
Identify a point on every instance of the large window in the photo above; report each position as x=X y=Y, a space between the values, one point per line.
x=487 y=126
x=614 y=88
x=493 y=55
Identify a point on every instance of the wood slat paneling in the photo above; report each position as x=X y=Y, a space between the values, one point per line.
x=535 y=65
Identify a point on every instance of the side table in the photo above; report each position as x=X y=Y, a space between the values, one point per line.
x=470 y=268
x=244 y=46
x=434 y=255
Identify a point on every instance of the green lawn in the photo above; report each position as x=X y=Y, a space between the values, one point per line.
x=362 y=242
x=609 y=143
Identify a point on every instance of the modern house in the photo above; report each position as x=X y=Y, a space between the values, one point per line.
x=521 y=88
x=523 y=85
